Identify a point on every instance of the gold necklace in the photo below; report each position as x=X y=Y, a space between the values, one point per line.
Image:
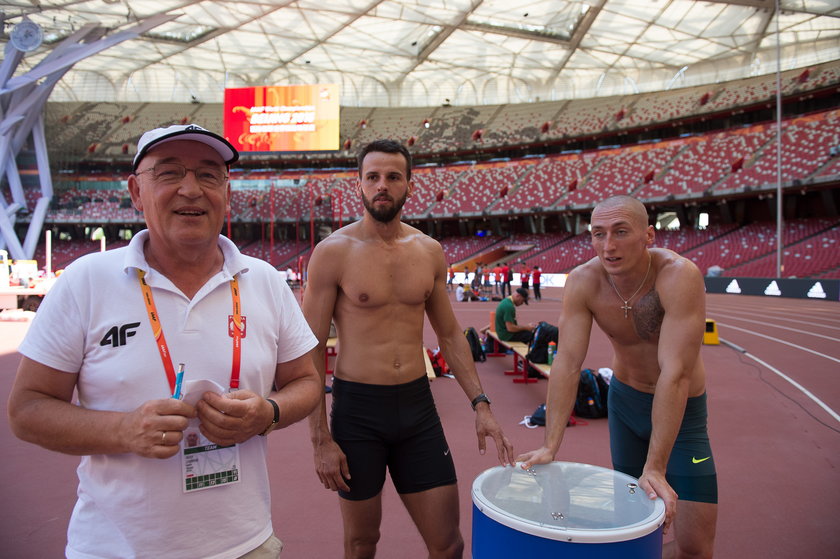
x=626 y=305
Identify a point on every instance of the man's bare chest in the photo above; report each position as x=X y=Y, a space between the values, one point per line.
x=633 y=322
x=388 y=278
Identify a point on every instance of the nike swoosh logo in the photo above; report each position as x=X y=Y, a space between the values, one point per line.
x=696 y=461
x=446 y=453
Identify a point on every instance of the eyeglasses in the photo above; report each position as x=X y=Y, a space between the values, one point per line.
x=172 y=173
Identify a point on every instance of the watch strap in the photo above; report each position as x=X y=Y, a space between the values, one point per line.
x=274 y=420
x=478 y=399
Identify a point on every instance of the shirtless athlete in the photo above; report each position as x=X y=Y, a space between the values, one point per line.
x=657 y=398
x=376 y=278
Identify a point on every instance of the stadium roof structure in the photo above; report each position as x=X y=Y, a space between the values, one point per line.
x=401 y=53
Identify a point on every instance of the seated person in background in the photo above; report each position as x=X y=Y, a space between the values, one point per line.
x=464 y=294
x=459 y=292
x=506 y=327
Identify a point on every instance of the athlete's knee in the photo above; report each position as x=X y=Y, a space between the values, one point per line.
x=361 y=546
x=694 y=544
x=453 y=550
x=694 y=550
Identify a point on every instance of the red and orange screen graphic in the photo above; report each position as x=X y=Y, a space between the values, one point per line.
x=282 y=118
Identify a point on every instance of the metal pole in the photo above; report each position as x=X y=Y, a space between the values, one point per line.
x=48 y=247
x=271 y=236
x=311 y=221
x=779 y=240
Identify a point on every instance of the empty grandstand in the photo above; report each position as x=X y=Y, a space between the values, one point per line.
x=708 y=156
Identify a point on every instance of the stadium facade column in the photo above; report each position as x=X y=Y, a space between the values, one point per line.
x=23 y=99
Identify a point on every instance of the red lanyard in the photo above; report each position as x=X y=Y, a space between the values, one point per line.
x=163 y=348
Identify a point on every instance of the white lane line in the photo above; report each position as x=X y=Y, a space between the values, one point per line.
x=836 y=360
x=771 y=325
x=801 y=388
x=785 y=316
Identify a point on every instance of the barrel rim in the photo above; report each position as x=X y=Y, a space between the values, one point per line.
x=579 y=535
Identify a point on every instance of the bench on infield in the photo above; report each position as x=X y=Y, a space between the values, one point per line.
x=430 y=371
x=332 y=351
x=520 y=360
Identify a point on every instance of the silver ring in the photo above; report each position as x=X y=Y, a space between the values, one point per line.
x=163 y=438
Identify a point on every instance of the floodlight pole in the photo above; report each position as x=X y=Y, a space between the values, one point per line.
x=779 y=217
x=340 y=211
x=311 y=221
x=271 y=230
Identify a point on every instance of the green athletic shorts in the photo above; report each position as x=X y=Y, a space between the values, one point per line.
x=691 y=467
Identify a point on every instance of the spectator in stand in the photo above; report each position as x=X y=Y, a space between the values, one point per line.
x=506 y=326
x=536 y=279
x=179 y=277
x=497 y=278
x=525 y=276
x=714 y=271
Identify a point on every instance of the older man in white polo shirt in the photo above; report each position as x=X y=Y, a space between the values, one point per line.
x=183 y=352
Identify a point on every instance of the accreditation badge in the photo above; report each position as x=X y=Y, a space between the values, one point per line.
x=205 y=464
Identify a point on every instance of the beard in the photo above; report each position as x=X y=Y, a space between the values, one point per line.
x=387 y=214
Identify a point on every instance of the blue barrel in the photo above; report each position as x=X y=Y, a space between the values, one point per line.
x=564 y=509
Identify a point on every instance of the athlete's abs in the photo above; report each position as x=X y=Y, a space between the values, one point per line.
x=377 y=349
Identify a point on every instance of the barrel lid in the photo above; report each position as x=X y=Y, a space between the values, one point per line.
x=568 y=501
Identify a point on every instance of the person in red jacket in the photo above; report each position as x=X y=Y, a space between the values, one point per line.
x=507 y=277
x=525 y=276
x=497 y=278
x=535 y=280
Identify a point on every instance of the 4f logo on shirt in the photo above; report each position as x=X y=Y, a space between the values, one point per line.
x=118 y=335
x=232 y=324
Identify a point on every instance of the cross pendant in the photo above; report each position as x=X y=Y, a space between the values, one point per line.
x=626 y=308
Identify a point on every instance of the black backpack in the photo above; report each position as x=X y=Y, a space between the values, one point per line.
x=592 y=394
x=475 y=344
x=543 y=334
x=538 y=417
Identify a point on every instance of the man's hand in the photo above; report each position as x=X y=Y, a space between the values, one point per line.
x=233 y=418
x=540 y=456
x=155 y=429
x=653 y=483
x=487 y=426
x=331 y=466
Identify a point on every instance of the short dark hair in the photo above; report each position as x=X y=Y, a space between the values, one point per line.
x=386 y=146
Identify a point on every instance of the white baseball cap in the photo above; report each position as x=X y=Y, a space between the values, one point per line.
x=185 y=132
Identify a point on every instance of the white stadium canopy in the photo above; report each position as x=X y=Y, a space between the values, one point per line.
x=401 y=53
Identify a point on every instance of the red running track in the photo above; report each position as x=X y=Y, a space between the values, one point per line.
x=777 y=452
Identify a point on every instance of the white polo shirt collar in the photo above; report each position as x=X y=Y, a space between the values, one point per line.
x=234 y=264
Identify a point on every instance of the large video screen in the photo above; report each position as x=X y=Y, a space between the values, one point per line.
x=282 y=118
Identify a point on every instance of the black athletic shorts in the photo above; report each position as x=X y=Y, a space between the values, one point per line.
x=390 y=425
x=691 y=467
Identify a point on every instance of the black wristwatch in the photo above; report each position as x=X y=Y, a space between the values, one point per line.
x=478 y=399
x=274 y=420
